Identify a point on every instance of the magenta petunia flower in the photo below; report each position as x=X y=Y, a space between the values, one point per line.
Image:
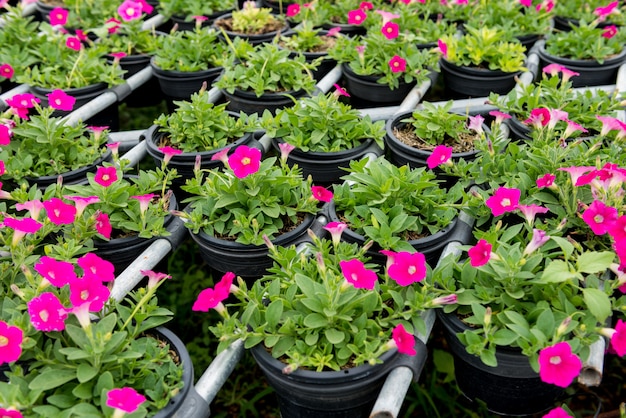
x=25 y=100
x=480 y=253
x=81 y=202
x=397 y=64
x=530 y=211
x=609 y=31
x=119 y=55
x=366 y=5
x=221 y=156
x=441 y=154
x=503 y=200
x=293 y=10
x=106 y=176
x=245 y=161
x=539 y=238
x=603 y=11
x=22 y=227
x=95 y=266
x=407 y=268
x=146 y=7
x=404 y=340
x=618 y=339
x=60 y=100
x=321 y=193
x=356 y=17
x=154 y=278
x=526 y=3
x=333 y=31
x=10 y=343
x=444 y=300
x=600 y=217
x=57 y=272
x=58 y=16
x=112 y=25
x=72 y=42
x=5 y=135
x=103 y=225
x=285 y=150
x=144 y=201
x=443 y=48
x=340 y=91
x=89 y=290
x=539 y=117
x=618 y=230
x=10 y=413
x=558 y=365
x=576 y=172
x=553 y=69
x=391 y=30
x=129 y=10
x=47 y=313
x=354 y=272
x=125 y=399
x=3 y=169
x=59 y=212
x=6 y=71
x=168 y=153
x=609 y=123
x=81 y=35
x=210 y=299
x=335 y=229
x=557 y=412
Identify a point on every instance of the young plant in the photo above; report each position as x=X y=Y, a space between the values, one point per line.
x=253 y=20
x=587 y=41
x=191 y=8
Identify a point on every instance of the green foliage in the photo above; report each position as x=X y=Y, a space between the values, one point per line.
x=585 y=41
x=485 y=47
x=305 y=38
x=584 y=10
x=512 y=17
x=190 y=8
x=386 y=203
x=268 y=68
x=251 y=19
x=437 y=124
x=248 y=208
x=199 y=125
x=378 y=51
x=322 y=124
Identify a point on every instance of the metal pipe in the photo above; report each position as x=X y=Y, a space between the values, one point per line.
x=22 y=88
x=126 y=139
x=154 y=22
x=333 y=76
x=413 y=98
x=591 y=373
x=218 y=371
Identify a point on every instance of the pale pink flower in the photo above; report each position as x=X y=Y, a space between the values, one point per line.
x=34 y=207
x=530 y=211
x=144 y=201
x=609 y=124
x=539 y=238
x=154 y=278
x=500 y=116
x=168 y=153
x=285 y=150
x=81 y=202
x=335 y=229
x=221 y=156
x=387 y=16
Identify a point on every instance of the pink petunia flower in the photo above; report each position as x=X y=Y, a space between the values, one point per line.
x=366 y=5
x=335 y=229
x=539 y=238
x=576 y=172
x=6 y=71
x=603 y=11
x=354 y=272
x=387 y=16
x=245 y=161
x=154 y=278
x=106 y=176
x=4 y=412
x=129 y=10
x=618 y=338
x=60 y=100
x=58 y=16
x=600 y=217
x=407 y=268
x=47 y=313
x=34 y=207
x=391 y=30
x=500 y=116
x=112 y=25
x=103 y=225
x=444 y=300
x=356 y=17
x=5 y=134
x=340 y=91
x=397 y=64
x=221 y=156
x=212 y=298
x=168 y=153
x=81 y=202
x=11 y=338
x=125 y=399
x=96 y=267
x=22 y=227
x=321 y=193
x=333 y=31
x=572 y=127
x=546 y=180
x=539 y=117
x=503 y=200
x=119 y=55
x=293 y=10
x=609 y=31
x=89 y=290
x=530 y=211
x=443 y=48
x=526 y=3
x=557 y=412
x=57 y=272
x=480 y=253
x=144 y=201
x=25 y=100
x=558 y=365
x=146 y=7
x=404 y=340
x=72 y=42
x=59 y=212
x=618 y=230
x=609 y=123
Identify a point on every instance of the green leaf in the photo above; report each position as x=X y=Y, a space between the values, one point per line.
x=556 y=272
x=85 y=372
x=315 y=320
x=273 y=313
x=594 y=262
x=51 y=378
x=334 y=336
x=598 y=303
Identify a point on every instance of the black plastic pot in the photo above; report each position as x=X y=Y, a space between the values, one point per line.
x=83 y=95
x=180 y=85
x=370 y=91
x=71 y=177
x=251 y=261
x=349 y=393
x=252 y=39
x=249 y=103
x=178 y=346
x=121 y=252
x=431 y=246
x=147 y=94
x=328 y=167
x=592 y=73
x=511 y=388
x=465 y=82
x=517 y=129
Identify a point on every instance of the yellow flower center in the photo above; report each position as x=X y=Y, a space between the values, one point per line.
x=598 y=219
x=245 y=161
x=3 y=341
x=506 y=202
